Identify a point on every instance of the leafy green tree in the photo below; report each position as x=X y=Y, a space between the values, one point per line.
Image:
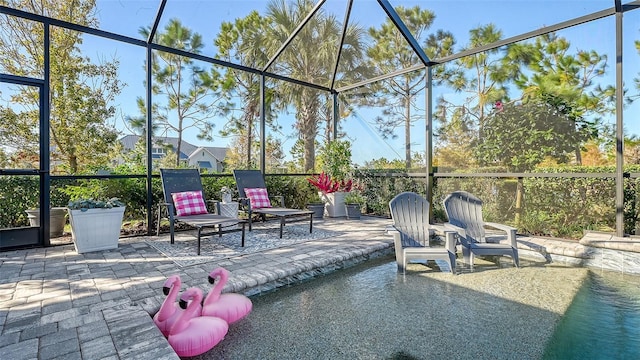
x=4 y=159
x=384 y=163
x=544 y=71
x=522 y=135
x=637 y=80
x=571 y=78
x=335 y=157
x=297 y=154
x=454 y=147
x=236 y=159
x=310 y=57
x=632 y=150
x=391 y=52
x=81 y=92
x=481 y=78
x=192 y=95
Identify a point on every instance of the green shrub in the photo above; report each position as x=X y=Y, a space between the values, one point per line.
x=560 y=207
x=19 y=193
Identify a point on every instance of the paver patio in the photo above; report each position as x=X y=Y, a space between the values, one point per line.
x=55 y=303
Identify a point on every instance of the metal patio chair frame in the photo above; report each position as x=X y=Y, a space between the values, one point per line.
x=255 y=179
x=180 y=180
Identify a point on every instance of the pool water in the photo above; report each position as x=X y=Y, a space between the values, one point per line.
x=603 y=322
x=371 y=311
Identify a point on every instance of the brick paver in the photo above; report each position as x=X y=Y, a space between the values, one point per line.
x=55 y=303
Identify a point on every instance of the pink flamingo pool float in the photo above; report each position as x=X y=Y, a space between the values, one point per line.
x=192 y=334
x=230 y=307
x=169 y=310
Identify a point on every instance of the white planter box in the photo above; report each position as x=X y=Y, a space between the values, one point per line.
x=334 y=204
x=96 y=229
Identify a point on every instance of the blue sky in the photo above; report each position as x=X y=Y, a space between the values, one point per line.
x=513 y=17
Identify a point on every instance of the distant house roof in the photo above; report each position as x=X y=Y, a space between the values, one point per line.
x=129 y=142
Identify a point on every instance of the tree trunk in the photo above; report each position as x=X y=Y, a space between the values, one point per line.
x=309 y=151
x=178 y=150
x=519 y=195
x=249 y=138
x=578 y=156
x=407 y=131
x=307 y=122
x=73 y=163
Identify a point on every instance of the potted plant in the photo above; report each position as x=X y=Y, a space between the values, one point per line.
x=332 y=192
x=316 y=205
x=353 y=202
x=57 y=219
x=332 y=183
x=95 y=224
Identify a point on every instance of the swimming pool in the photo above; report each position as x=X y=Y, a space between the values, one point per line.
x=603 y=322
x=372 y=312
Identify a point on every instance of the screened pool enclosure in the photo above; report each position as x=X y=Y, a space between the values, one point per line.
x=533 y=106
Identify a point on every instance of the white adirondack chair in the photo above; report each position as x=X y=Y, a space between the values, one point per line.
x=410 y=215
x=464 y=211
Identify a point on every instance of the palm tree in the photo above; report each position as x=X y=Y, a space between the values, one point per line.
x=311 y=57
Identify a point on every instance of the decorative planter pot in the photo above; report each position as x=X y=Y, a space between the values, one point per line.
x=318 y=210
x=334 y=204
x=56 y=220
x=96 y=229
x=353 y=211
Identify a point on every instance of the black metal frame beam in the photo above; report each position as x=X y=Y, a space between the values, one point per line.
x=45 y=161
x=156 y=21
x=345 y=26
x=529 y=175
x=263 y=128
x=71 y=26
x=528 y=35
x=503 y=175
x=395 y=18
x=381 y=77
x=44 y=176
x=619 y=124
x=149 y=138
x=429 y=137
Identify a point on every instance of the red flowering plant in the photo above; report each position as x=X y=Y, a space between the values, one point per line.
x=326 y=185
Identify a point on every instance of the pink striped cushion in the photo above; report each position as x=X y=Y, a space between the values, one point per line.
x=259 y=197
x=189 y=203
